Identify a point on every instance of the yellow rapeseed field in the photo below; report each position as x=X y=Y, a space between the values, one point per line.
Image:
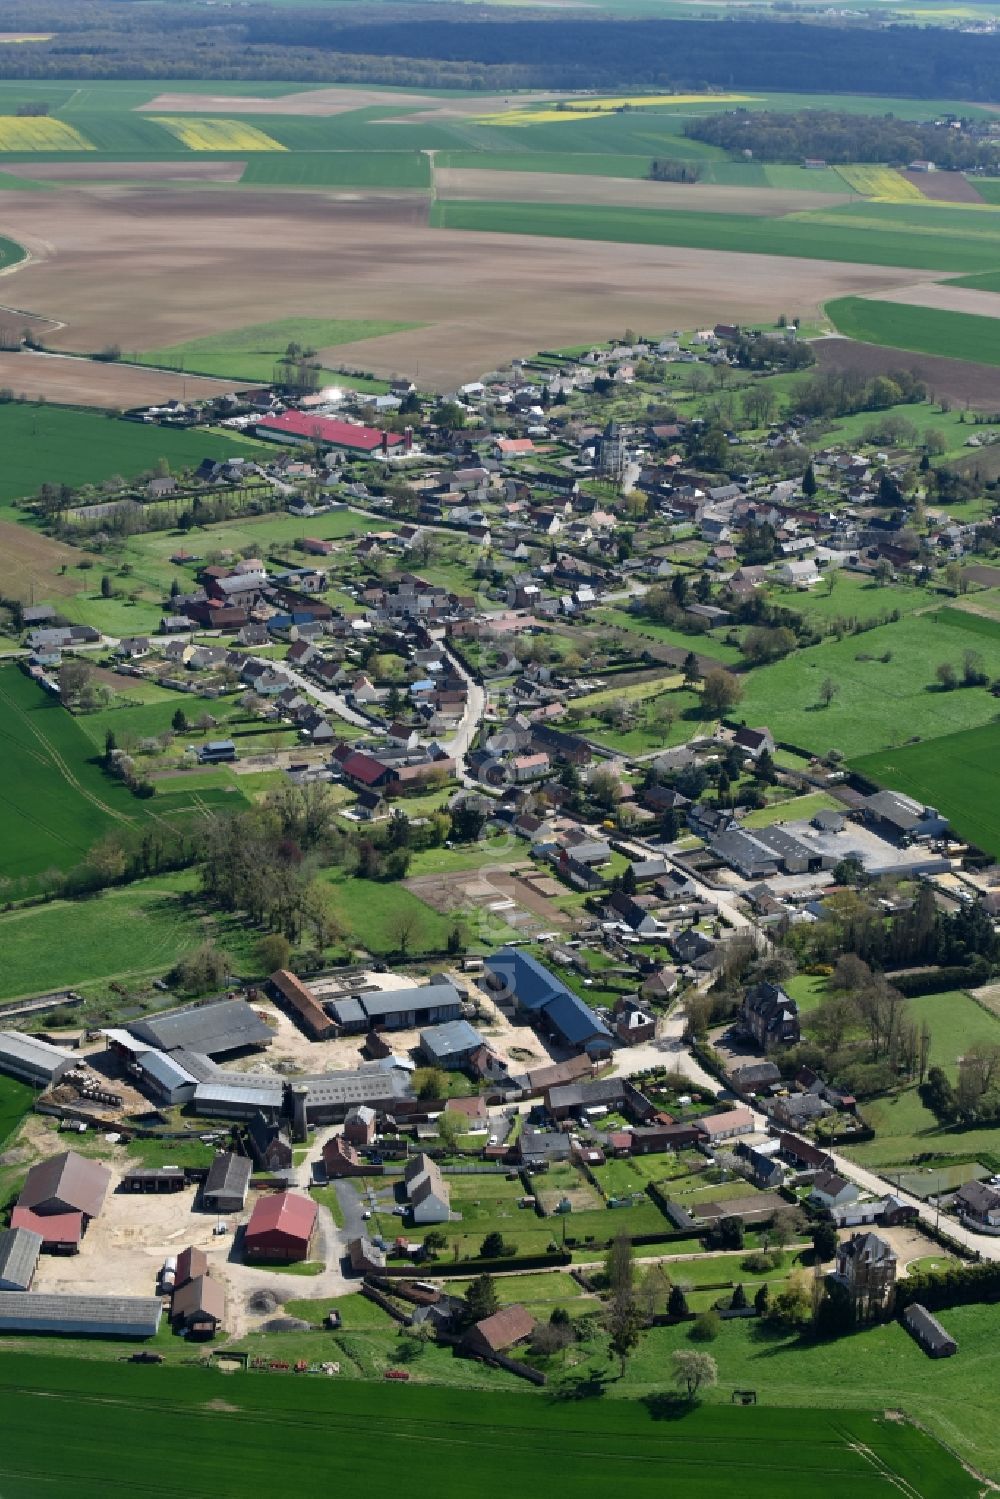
x=217 y=135
x=39 y=133
x=593 y=109
x=881 y=183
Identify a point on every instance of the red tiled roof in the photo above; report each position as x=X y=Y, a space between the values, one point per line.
x=325 y=429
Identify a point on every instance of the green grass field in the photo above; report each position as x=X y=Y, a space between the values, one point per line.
x=65 y=445
x=337 y=169
x=136 y=932
x=923 y=330
x=878 y=703
x=57 y=800
x=956 y=773
x=251 y=353
x=574 y=163
x=930 y=243
x=191 y=1431
x=904 y=1127
x=16 y=1099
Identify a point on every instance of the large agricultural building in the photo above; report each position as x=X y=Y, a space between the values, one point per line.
x=31 y=1060
x=66 y=1183
x=332 y=1096
x=300 y=427
x=80 y=1316
x=515 y=977
x=398 y=1009
x=303 y=1004
x=214 y=1030
x=280 y=1227
x=240 y=1097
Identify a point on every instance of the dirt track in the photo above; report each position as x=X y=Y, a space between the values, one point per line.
x=976 y=385
x=624 y=192
x=142 y=267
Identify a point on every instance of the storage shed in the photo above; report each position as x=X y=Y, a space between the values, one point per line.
x=199 y=1307
x=280 y=1227
x=19 y=1251
x=932 y=1337
x=225 y=1189
x=31 y=1060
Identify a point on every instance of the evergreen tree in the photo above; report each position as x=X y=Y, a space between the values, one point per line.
x=809 y=485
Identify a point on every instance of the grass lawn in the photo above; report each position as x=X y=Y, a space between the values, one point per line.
x=499 y=850
x=63 y=445
x=251 y=353
x=193 y=1152
x=877 y=1369
x=808 y=990
x=956 y=773
x=904 y=1126
x=852 y=597
x=795 y=809
x=924 y=330
x=878 y=703
x=651 y=629
x=372 y=915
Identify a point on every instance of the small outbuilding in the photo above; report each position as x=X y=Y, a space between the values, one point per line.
x=932 y=1337
x=19 y=1251
x=227 y=1183
x=199 y=1307
x=507 y=1327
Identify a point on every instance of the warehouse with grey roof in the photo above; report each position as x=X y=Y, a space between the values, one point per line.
x=31 y=1060
x=215 y=1030
x=80 y=1316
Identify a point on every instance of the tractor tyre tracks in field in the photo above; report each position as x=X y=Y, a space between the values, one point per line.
x=62 y=766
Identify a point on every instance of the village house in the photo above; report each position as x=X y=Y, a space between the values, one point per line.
x=866 y=1266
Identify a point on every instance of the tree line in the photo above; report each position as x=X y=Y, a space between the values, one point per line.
x=450 y=46
x=837 y=136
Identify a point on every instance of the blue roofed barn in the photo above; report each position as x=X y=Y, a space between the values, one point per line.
x=546 y=1000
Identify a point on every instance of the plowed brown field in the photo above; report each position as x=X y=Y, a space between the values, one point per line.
x=144 y=267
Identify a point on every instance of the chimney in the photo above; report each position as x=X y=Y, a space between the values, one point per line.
x=299 y=1126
